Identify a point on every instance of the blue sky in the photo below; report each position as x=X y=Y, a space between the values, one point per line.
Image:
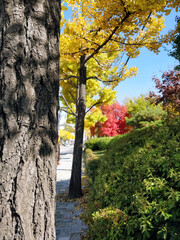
x=149 y=64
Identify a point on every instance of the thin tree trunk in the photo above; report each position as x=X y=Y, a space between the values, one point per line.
x=29 y=59
x=75 y=189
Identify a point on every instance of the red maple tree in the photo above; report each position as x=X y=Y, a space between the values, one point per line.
x=169 y=91
x=115 y=123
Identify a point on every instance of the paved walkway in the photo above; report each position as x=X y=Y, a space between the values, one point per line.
x=68 y=224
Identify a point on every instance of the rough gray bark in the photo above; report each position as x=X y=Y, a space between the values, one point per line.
x=75 y=189
x=29 y=57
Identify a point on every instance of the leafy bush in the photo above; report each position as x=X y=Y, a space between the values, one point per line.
x=92 y=163
x=108 y=223
x=135 y=138
x=89 y=152
x=98 y=143
x=139 y=179
x=92 y=168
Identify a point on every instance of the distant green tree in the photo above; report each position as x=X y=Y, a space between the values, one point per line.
x=176 y=44
x=140 y=103
x=145 y=118
x=143 y=112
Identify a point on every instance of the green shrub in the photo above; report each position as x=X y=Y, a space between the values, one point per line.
x=92 y=163
x=137 y=137
x=92 y=168
x=89 y=152
x=98 y=143
x=108 y=224
x=140 y=176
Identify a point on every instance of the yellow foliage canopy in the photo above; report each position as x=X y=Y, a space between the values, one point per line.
x=105 y=31
x=125 y=26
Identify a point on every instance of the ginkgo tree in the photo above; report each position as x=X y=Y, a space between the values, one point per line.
x=101 y=30
x=96 y=94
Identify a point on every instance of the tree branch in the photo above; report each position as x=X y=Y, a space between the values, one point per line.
x=94 y=77
x=69 y=78
x=82 y=50
x=66 y=78
x=126 y=61
x=86 y=39
x=107 y=81
x=127 y=44
x=93 y=106
x=106 y=41
x=62 y=109
x=73 y=98
x=135 y=44
x=73 y=113
x=100 y=63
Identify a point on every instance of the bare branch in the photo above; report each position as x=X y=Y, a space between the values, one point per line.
x=73 y=98
x=72 y=84
x=62 y=109
x=127 y=44
x=147 y=20
x=86 y=39
x=94 y=77
x=100 y=63
x=93 y=106
x=73 y=113
x=126 y=61
x=82 y=50
x=107 y=81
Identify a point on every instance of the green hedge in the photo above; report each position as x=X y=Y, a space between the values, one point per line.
x=135 y=187
x=98 y=143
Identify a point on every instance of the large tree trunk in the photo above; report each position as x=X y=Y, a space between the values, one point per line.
x=29 y=59
x=75 y=189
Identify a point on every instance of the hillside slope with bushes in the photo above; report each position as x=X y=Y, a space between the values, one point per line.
x=135 y=186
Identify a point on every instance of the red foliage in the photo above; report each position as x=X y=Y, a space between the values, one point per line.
x=115 y=123
x=169 y=89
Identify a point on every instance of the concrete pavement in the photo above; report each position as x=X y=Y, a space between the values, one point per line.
x=68 y=224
